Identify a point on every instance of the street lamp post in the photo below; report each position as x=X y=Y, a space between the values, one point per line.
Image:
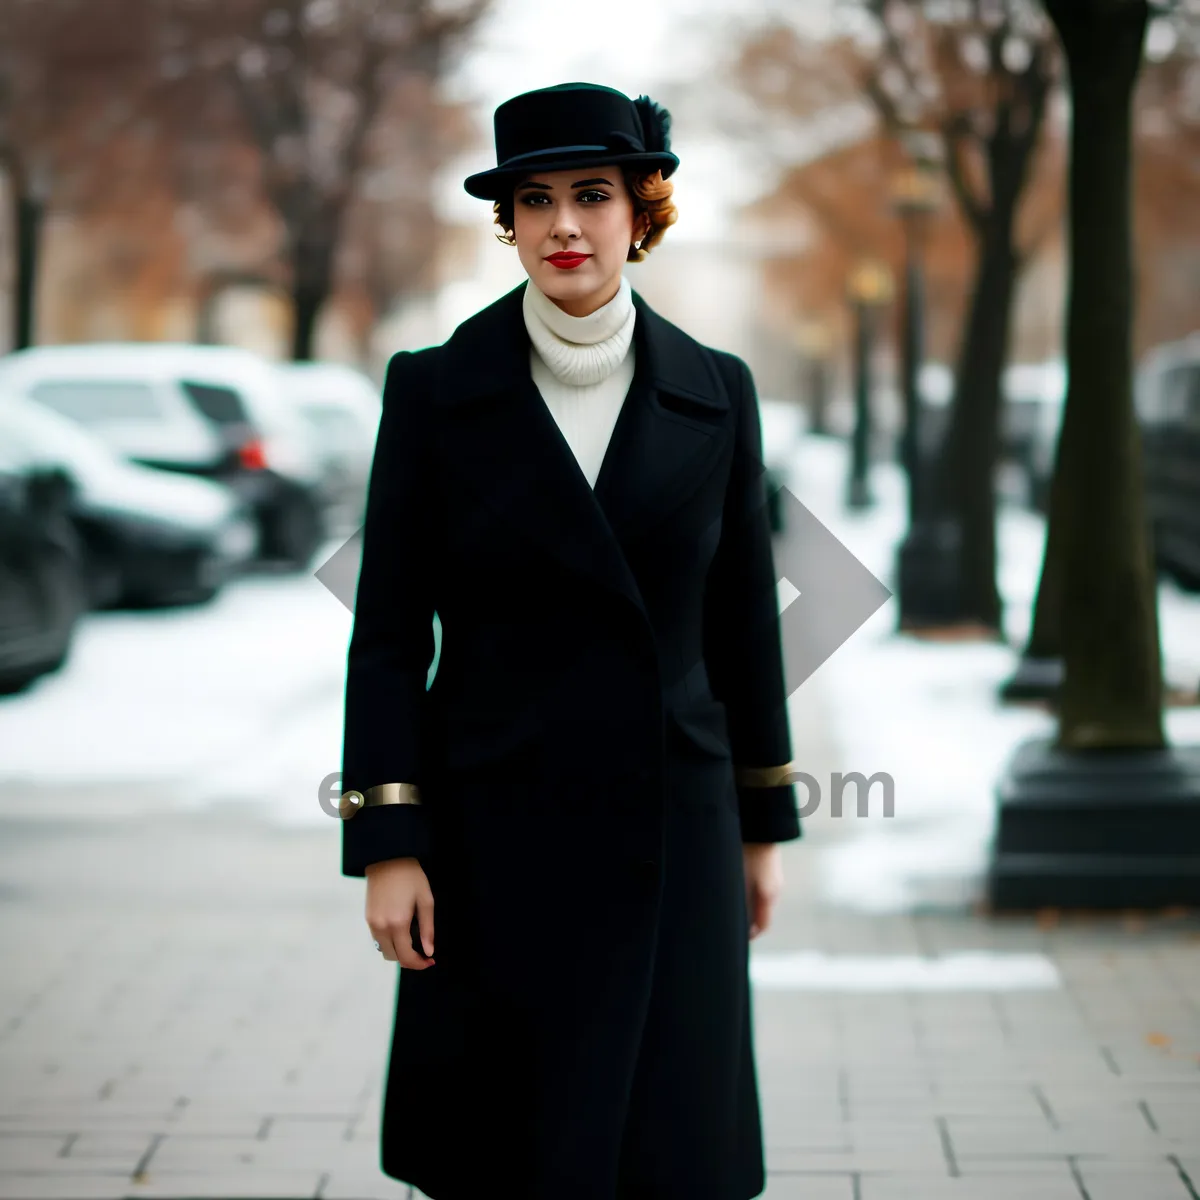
x=926 y=555
x=869 y=288
x=812 y=341
x=914 y=198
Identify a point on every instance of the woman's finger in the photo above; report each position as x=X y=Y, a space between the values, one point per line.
x=762 y=911
x=425 y=922
x=406 y=954
x=752 y=908
x=386 y=949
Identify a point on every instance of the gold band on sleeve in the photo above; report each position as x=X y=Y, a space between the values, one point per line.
x=764 y=776
x=353 y=802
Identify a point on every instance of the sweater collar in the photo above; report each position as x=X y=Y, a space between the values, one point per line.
x=580 y=350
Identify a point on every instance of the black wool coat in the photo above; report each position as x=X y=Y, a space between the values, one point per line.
x=606 y=727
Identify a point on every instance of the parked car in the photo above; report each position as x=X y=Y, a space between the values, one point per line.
x=42 y=588
x=343 y=407
x=1167 y=400
x=217 y=412
x=147 y=537
x=1034 y=394
x=1031 y=402
x=783 y=423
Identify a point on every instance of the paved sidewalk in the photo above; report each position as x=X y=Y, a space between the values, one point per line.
x=190 y=1006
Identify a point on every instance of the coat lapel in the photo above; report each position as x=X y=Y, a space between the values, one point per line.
x=509 y=449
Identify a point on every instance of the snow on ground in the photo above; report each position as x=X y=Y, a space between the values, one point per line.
x=971 y=971
x=927 y=713
x=240 y=701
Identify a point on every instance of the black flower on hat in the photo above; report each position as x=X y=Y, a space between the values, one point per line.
x=656 y=124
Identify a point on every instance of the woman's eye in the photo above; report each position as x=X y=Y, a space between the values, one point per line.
x=535 y=198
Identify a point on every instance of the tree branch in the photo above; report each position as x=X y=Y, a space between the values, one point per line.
x=955 y=132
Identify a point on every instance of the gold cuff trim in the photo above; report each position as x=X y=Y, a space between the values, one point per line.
x=353 y=802
x=764 y=776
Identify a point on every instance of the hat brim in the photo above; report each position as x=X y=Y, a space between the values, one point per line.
x=497 y=184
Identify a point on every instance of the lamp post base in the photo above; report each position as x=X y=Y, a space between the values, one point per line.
x=1101 y=829
x=1034 y=679
x=858 y=493
x=928 y=576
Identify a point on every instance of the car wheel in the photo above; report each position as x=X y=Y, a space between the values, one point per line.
x=205 y=594
x=65 y=595
x=205 y=576
x=1187 y=579
x=12 y=685
x=293 y=531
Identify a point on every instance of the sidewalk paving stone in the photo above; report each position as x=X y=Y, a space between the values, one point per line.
x=226 y=1185
x=30 y=1151
x=1158 y=1180
x=809 y=1187
x=53 y=1186
x=363 y=1184
x=170 y=1032
x=1052 y=1186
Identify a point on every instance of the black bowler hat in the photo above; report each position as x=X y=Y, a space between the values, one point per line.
x=573 y=125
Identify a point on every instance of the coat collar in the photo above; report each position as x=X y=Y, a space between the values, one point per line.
x=677 y=363
x=507 y=446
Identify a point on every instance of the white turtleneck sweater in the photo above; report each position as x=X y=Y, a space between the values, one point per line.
x=582 y=367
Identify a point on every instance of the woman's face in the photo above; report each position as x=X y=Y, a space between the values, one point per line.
x=585 y=212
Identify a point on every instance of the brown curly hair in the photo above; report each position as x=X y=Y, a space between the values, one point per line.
x=651 y=194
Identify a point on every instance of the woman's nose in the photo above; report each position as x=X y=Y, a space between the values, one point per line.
x=565 y=224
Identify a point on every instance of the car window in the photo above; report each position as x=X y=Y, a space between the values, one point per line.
x=221 y=405
x=1173 y=397
x=1145 y=394
x=99 y=402
x=336 y=424
x=47 y=438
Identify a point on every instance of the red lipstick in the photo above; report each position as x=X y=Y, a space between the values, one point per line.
x=567 y=261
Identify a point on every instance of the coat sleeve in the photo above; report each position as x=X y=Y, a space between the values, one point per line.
x=392 y=644
x=743 y=637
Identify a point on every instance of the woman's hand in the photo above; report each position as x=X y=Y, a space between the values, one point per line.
x=396 y=889
x=763 y=862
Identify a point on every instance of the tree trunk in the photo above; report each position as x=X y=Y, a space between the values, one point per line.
x=1045 y=634
x=818 y=396
x=967 y=463
x=306 y=308
x=312 y=282
x=858 y=492
x=1112 y=688
x=28 y=216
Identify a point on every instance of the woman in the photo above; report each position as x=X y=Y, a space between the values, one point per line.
x=587 y=799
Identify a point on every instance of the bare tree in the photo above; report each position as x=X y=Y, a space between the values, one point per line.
x=1165 y=186
x=74 y=77
x=1099 y=573
x=311 y=80
x=978 y=74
